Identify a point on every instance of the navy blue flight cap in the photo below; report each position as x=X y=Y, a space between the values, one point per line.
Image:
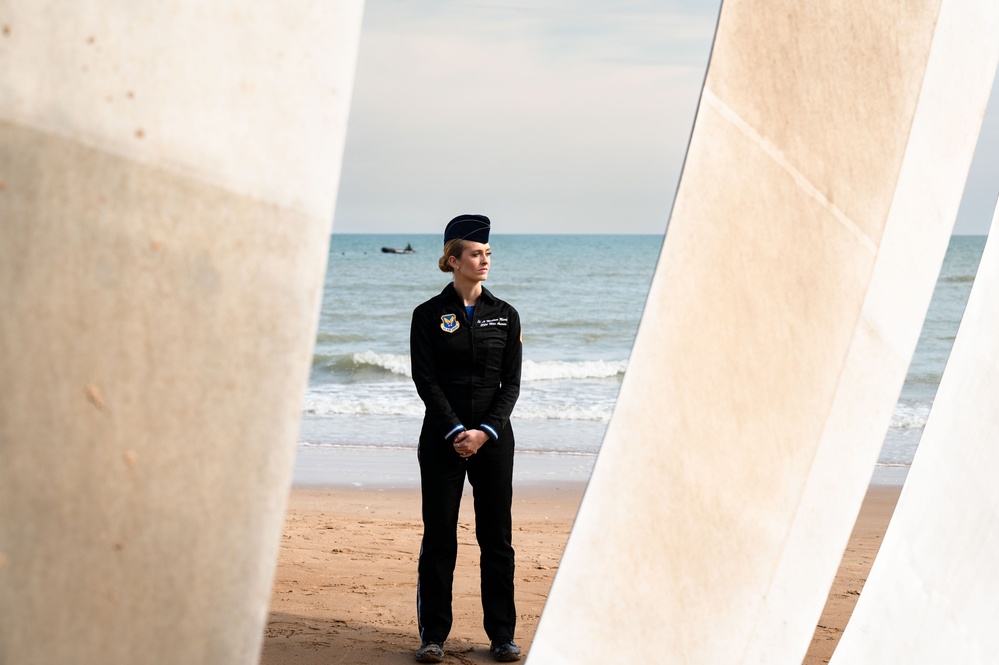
x=468 y=227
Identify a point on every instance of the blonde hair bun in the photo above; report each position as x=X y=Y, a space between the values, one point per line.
x=453 y=247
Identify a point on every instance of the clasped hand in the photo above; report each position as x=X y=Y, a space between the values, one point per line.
x=467 y=443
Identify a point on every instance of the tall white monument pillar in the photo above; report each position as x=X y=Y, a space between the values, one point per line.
x=933 y=595
x=824 y=173
x=168 y=174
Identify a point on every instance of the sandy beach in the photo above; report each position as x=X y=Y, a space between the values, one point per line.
x=345 y=586
x=346 y=583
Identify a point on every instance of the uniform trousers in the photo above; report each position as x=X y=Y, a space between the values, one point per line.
x=442 y=478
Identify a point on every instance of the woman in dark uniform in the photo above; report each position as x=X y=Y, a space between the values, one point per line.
x=465 y=346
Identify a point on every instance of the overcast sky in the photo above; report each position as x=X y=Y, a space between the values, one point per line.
x=548 y=116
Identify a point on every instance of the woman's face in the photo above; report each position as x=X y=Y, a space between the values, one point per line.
x=474 y=262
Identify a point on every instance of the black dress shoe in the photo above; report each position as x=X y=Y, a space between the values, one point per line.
x=505 y=651
x=430 y=652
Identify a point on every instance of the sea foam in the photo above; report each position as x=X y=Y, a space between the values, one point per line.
x=555 y=370
x=399 y=364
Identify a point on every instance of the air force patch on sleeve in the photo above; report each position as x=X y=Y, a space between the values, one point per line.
x=449 y=323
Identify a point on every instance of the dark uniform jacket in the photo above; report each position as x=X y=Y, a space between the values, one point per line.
x=468 y=374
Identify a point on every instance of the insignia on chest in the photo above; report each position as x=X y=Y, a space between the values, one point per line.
x=449 y=323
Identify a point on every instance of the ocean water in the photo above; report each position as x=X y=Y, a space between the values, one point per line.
x=943 y=318
x=580 y=298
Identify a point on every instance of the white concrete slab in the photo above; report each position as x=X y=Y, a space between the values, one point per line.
x=169 y=174
x=823 y=176
x=932 y=595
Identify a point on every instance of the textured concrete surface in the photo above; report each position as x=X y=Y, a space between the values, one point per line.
x=775 y=339
x=932 y=595
x=169 y=174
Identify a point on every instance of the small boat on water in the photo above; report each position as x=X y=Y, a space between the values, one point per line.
x=395 y=250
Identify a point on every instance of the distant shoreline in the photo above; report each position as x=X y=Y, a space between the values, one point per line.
x=436 y=234
x=368 y=467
